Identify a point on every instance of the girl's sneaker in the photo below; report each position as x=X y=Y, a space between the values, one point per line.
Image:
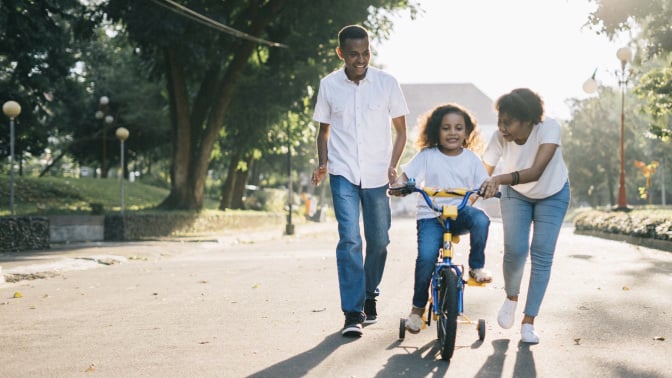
x=414 y=323
x=481 y=275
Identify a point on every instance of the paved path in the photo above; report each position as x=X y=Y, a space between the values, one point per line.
x=266 y=305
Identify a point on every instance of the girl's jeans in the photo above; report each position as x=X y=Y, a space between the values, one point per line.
x=518 y=214
x=430 y=238
x=358 y=276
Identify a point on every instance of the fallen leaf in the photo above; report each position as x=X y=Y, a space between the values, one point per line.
x=625 y=288
x=577 y=341
x=17 y=294
x=255 y=286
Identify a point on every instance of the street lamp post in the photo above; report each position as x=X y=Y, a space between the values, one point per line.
x=12 y=109
x=289 y=227
x=107 y=119
x=624 y=54
x=122 y=134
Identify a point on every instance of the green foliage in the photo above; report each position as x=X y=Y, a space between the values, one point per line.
x=591 y=146
x=216 y=80
x=652 y=17
x=655 y=87
x=38 y=48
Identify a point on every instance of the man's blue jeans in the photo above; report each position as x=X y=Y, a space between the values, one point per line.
x=358 y=275
x=430 y=238
x=518 y=214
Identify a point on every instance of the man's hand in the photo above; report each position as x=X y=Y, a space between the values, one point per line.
x=318 y=174
x=392 y=175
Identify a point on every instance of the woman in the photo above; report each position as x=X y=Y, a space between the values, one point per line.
x=535 y=193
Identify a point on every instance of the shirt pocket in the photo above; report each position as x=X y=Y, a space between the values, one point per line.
x=376 y=106
x=337 y=110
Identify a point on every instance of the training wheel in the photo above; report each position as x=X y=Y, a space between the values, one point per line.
x=481 y=329
x=402 y=328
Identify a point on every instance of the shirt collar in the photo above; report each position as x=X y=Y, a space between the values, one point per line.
x=367 y=77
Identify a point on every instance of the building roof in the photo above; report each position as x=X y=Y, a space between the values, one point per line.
x=422 y=98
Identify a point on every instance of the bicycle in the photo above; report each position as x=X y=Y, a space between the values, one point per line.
x=447 y=283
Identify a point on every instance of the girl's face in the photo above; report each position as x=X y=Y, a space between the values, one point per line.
x=513 y=129
x=452 y=134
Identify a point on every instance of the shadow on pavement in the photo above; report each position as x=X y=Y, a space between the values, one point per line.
x=524 y=366
x=414 y=364
x=301 y=364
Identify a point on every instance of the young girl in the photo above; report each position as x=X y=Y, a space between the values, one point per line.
x=445 y=162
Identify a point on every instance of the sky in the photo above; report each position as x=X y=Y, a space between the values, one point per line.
x=500 y=45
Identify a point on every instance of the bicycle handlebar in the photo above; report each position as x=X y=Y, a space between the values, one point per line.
x=426 y=193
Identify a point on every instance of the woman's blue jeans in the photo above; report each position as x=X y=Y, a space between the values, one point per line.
x=358 y=275
x=546 y=216
x=430 y=238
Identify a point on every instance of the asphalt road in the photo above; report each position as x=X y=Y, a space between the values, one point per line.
x=267 y=305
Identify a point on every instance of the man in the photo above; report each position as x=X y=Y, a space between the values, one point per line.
x=354 y=143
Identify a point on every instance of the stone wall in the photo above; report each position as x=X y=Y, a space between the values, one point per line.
x=23 y=233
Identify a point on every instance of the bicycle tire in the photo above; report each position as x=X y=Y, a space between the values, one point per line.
x=446 y=324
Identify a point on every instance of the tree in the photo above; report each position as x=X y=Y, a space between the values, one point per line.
x=591 y=144
x=652 y=19
x=203 y=67
x=111 y=68
x=38 y=49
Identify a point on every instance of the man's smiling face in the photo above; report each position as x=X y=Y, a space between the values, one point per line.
x=356 y=54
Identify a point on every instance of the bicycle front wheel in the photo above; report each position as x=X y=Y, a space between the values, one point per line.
x=446 y=325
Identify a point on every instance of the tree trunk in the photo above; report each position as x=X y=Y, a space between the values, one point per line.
x=229 y=183
x=192 y=150
x=239 y=186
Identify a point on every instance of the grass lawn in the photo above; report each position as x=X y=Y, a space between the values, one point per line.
x=65 y=195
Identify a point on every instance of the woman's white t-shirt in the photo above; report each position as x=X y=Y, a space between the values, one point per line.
x=431 y=168
x=517 y=157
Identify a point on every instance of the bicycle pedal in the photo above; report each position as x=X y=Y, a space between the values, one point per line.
x=472 y=282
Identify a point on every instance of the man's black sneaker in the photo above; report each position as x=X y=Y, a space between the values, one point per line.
x=353 y=324
x=370 y=311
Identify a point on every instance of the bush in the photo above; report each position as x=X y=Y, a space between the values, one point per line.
x=655 y=224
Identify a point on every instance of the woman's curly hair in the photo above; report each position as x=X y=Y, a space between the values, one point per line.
x=522 y=104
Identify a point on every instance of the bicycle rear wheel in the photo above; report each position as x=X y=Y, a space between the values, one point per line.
x=446 y=325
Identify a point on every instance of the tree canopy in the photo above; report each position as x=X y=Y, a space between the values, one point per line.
x=204 y=68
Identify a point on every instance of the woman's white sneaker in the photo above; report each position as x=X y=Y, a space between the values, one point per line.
x=507 y=313
x=527 y=334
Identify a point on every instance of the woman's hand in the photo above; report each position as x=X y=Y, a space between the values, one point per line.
x=489 y=188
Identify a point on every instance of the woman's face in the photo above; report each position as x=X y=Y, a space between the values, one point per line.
x=513 y=129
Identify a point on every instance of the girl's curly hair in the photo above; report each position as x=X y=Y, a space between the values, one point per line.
x=430 y=125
